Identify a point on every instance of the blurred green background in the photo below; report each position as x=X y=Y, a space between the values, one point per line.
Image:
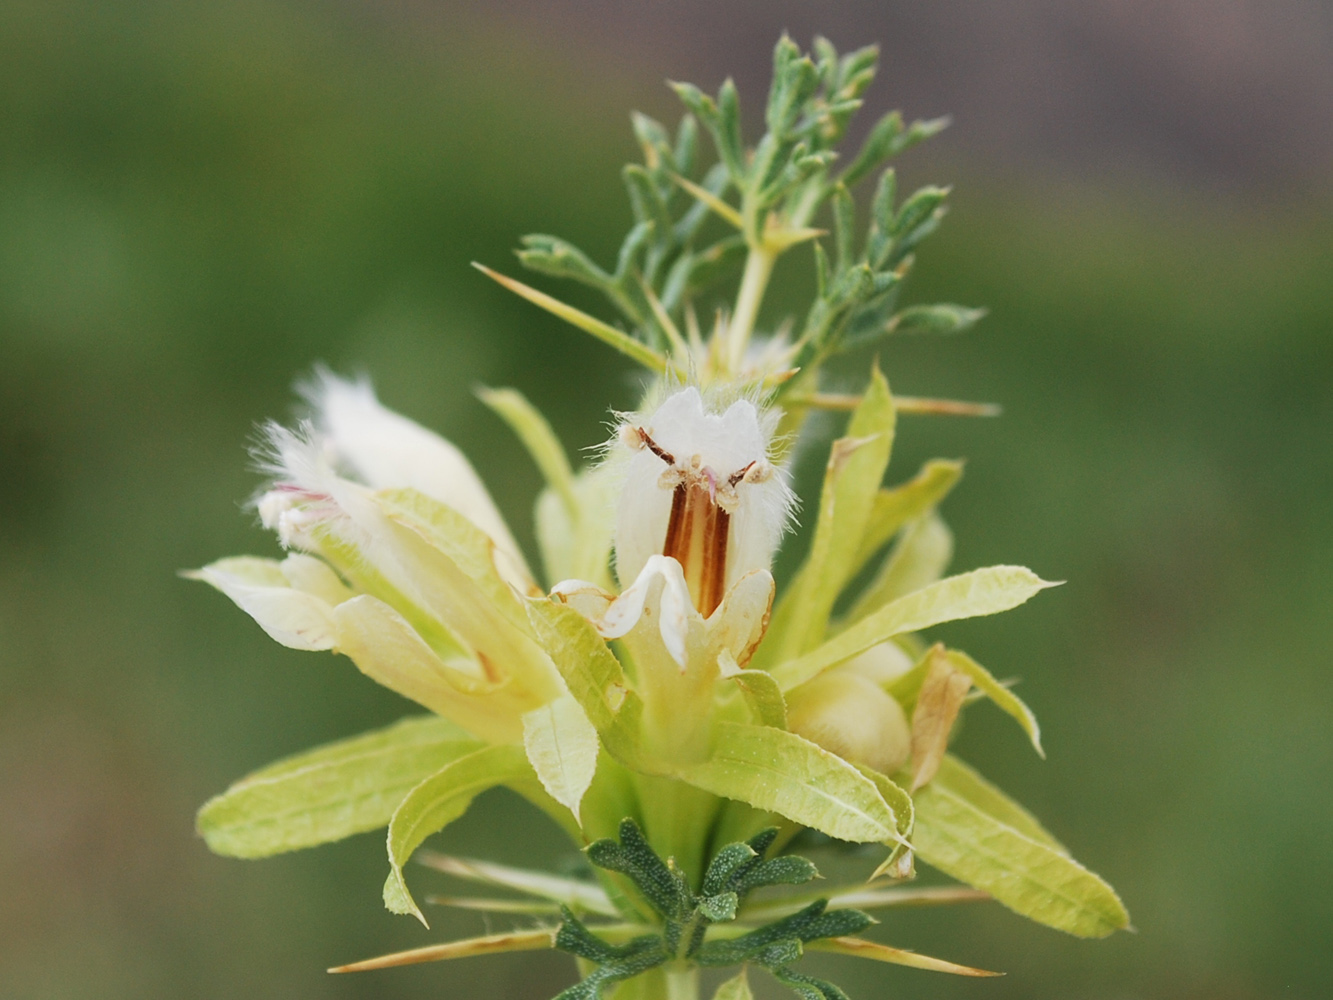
x=198 y=202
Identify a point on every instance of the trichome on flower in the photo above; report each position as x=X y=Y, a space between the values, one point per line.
x=676 y=712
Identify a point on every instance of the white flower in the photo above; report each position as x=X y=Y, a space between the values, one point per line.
x=699 y=488
x=400 y=560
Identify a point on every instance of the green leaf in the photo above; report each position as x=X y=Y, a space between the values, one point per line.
x=1004 y=699
x=763 y=697
x=875 y=150
x=968 y=595
x=561 y=259
x=919 y=558
x=780 y=772
x=864 y=898
x=438 y=801
x=331 y=792
x=895 y=507
x=855 y=468
x=663 y=886
x=595 y=679
x=962 y=780
x=903 y=810
x=1034 y=879
x=562 y=747
x=736 y=988
x=547 y=452
x=943 y=317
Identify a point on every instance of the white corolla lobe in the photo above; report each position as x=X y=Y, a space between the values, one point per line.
x=700 y=488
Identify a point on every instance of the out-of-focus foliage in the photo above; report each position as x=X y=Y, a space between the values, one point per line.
x=197 y=203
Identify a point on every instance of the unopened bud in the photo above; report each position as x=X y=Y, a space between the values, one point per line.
x=852 y=717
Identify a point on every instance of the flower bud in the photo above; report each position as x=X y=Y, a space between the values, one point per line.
x=852 y=717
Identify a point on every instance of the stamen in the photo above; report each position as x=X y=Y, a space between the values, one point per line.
x=740 y=474
x=646 y=441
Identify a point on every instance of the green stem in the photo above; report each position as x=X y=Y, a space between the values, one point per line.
x=673 y=981
x=676 y=820
x=754 y=282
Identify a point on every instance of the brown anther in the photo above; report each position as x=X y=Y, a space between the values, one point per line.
x=670 y=479
x=740 y=474
x=646 y=441
x=758 y=472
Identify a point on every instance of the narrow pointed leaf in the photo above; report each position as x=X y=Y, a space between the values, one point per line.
x=1004 y=698
x=574 y=893
x=851 y=481
x=712 y=201
x=904 y=812
x=604 y=332
x=438 y=801
x=963 y=781
x=526 y=421
x=491 y=944
x=940 y=318
x=1032 y=878
x=895 y=507
x=968 y=595
x=861 y=948
x=331 y=792
x=919 y=558
x=868 y=899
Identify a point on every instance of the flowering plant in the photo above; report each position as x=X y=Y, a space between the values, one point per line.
x=658 y=697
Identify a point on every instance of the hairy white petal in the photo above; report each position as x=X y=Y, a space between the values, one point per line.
x=718 y=446
x=386 y=450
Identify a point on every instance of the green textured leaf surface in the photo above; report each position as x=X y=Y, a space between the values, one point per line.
x=561 y=745
x=1003 y=698
x=436 y=802
x=593 y=675
x=855 y=468
x=968 y=595
x=779 y=771
x=1032 y=878
x=331 y=792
